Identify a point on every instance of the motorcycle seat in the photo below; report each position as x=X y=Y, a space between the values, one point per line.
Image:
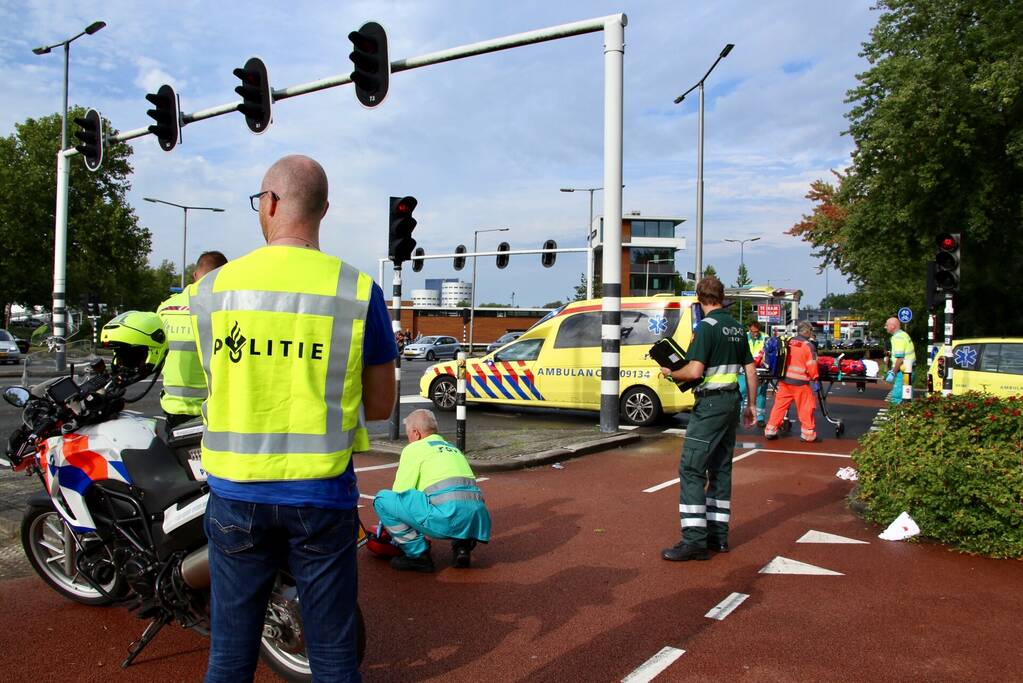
x=160 y=475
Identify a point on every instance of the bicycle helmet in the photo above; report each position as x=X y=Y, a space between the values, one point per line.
x=139 y=343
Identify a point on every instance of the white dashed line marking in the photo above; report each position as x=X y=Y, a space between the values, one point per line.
x=655 y=665
x=726 y=606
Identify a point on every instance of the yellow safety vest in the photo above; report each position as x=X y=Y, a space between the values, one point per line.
x=184 y=384
x=430 y=461
x=755 y=345
x=280 y=333
x=902 y=346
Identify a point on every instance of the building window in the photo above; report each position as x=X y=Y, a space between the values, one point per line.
x=642 y=255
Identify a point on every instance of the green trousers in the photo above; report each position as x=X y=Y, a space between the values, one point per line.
x=705 y=469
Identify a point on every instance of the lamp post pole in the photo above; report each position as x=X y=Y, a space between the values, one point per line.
x=646 y=289
x=184 y=238
x=472 y=294
x=60 y=227
x=699 y=161
x=589 y=237
x=742 y=261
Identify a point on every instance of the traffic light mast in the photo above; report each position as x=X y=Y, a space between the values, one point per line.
x=946 y=282
x=400 y=246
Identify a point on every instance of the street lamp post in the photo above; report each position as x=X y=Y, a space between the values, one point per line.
x=472 y=294
x=742 y=261
x=589 y=237
x=699 y=161
x=646 y=289
x=60 y=228
x=184 y=238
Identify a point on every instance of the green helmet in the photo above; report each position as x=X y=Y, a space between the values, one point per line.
x=138 y=339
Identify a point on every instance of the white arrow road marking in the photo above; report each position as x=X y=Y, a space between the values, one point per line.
x=812 y=536
x=783 y=565
x=655 y=665
x=726 y=606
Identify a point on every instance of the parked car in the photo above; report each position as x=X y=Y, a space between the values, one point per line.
x=9 y=350
x=432 y=348
x=502 y=340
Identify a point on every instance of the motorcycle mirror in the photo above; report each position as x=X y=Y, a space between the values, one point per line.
x=17 y=396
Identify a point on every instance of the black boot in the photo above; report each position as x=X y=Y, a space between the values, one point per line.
x=404 y=563
x=460 y=552
x=683 y=552
x=717 y=545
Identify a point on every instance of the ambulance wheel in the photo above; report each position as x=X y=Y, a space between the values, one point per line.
x=443 y=393
x=640 y=406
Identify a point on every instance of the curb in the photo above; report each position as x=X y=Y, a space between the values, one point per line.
x=553 y=455
x=9 y=529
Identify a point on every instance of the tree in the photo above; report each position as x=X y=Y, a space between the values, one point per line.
x=937 y=121
x=853 y=301
x=742 y=278
x=553 y=304
x=106 y=247
x=709 y=271
x=580 y=289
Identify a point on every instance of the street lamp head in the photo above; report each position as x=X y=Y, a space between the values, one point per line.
x=95 y=26
x=41 y=50
x=678 y=100
x=217 y=210
x=568 y=189
x=753 y=239
x=728 y=48
x=150 y=199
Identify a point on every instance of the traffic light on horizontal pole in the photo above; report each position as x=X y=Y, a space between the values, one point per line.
x=91 y=136
x=502 y=259
x=460 y=260
x=372 y=72
x=257 y=100
x=417 y=262
x=167 y=128
x=547 y=259
x=399 y=237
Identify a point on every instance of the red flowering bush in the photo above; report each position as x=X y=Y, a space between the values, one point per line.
x=955 y=464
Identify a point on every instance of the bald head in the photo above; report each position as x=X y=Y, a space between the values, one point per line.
x=301 y=185
x=892 y=325
x=420 y=424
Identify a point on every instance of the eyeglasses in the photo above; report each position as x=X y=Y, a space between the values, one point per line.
x=254 y=198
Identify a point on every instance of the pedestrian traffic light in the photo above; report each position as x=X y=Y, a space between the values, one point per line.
x=460 y=260
x=167 y=128
x=91 y=136
x=372 y=69
x=257 y=101
x=399 y=237
x=946 y=264
x=547 y=258
x=502 y=259
x=417 y=262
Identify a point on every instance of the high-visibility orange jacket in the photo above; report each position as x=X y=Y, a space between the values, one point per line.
x=801 y=362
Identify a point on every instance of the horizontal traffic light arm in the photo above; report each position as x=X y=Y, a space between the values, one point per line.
x=577 y=28
x=513 y=252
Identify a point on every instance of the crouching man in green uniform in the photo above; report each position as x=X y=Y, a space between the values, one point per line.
x=717 y=355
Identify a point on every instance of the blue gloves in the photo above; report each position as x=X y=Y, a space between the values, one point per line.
x=890 y=377
x=816 y=386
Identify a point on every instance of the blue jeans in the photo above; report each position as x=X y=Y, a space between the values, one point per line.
x=249 y=544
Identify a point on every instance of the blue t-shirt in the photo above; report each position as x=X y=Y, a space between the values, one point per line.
x=341 y=492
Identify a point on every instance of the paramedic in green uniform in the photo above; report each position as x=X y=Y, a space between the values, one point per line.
x=717 y=355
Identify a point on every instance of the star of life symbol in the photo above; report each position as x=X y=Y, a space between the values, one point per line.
x=658 y=325
x=966 y=356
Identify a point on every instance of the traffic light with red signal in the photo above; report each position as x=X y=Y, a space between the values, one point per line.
x=399 y=237
x=946 y=264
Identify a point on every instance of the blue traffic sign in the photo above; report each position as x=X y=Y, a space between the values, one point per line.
x=905 y=314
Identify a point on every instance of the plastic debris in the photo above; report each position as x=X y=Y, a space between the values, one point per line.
x=558 y=466
x=847 y=473
x=902 y=528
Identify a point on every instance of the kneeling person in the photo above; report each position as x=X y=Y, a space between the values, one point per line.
x=434 y=494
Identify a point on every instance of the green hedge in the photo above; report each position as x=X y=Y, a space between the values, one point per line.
x=955 y=464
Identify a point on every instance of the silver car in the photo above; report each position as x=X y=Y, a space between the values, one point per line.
x=9 y=351
x=432 y=348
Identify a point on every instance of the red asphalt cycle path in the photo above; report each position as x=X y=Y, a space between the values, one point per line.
x=572 y=588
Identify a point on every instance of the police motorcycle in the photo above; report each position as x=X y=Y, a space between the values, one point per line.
x=120 y=519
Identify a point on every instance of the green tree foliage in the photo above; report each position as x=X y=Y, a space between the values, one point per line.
x=553 y=304
x=853 y=301
x=106 y=247
x=580 y=289
x=710 y=270
x=938 y=124
x=742 y=278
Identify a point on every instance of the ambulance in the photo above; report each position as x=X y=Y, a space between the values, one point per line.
x=990 y=365
x=556 y=362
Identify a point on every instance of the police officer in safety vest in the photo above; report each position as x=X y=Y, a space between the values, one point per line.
x=434 y=494
x=184 y=385
x=717 y=355
x=903 y=357
x=298 y=353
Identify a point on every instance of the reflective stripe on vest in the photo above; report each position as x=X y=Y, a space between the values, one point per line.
x=231 y=448
x=449 y=483
x=721 y=377
x=184 y=385
x=797 y=372
x=450 y=496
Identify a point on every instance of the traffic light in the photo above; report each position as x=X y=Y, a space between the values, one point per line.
x=167 y=128
x=460 y=260
x=257 y=101
x=372 y=69
x=502 y=259
x=547 y=259
x=465 y=316
x=399 y=236
x=91 y=136
x=417 y=263
x=946 y=264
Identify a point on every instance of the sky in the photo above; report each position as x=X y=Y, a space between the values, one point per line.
x=481 y=142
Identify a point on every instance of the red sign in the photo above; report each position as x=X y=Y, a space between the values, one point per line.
x=769 y=310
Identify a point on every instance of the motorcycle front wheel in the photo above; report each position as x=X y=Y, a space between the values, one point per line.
x=46 y=546
x=283 y=647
